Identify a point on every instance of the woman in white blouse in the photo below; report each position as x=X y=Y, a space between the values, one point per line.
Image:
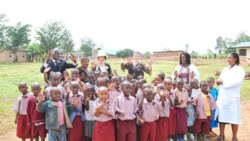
x=228 y=102
x=185 y=70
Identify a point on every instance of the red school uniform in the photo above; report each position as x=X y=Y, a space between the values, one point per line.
x=150 y=114
x=20 y=107
x=35 y=119
x=104 y=127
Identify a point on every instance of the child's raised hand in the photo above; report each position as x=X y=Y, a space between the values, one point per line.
x=176 y=74
x=192 y=75
x=75 y=102
x=72 y=57
x=40 y=98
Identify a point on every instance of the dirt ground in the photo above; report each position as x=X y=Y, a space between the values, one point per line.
x=243 y=133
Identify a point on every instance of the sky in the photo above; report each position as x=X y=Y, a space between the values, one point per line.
x=142 y=25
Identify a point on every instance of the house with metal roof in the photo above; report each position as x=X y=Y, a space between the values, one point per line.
x=243 y=49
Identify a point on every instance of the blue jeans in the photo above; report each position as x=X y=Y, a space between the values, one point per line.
x=58 y=134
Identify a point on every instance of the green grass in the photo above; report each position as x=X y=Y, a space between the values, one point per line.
x=12 y=74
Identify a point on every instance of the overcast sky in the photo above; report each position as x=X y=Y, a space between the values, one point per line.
x=138 y=24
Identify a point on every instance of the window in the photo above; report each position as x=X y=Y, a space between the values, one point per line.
x=243 y=52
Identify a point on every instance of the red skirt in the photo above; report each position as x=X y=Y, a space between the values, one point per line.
x=23 y=131
x=162 y=129
x=201 y=125
x=172 y=122
x=38 y=131
x=104 y=131
x=181 y=121
x=77 y=132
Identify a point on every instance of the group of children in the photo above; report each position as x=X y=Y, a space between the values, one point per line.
x=118 y=108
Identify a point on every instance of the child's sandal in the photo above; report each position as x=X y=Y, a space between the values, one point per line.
x=220 y=138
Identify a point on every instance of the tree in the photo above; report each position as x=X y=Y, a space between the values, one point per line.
x=87 y=45
x=3 y=31
x=221 y=45
x=147 y=54
x=54 y=35
x=187 y=47
x=33 y=50
x=125 y=53
x=18 y=38
x=242 y=37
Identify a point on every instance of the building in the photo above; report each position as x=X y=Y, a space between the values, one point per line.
x=8 y=56
x=78 y=55
x=166 y=55
x=243 y=49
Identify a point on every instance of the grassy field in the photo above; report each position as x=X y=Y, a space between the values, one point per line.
x=12 y=74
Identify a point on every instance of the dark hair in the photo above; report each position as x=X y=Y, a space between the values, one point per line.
x=161 y=75
x=84 y=58
x=188 y=58
x=236 y=56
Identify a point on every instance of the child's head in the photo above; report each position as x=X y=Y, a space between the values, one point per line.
x=174 y=84
x=22 y=87
x=90 y=90
x=149 y=94
x=189 y=89
x=194 y=84
x=55 y=94
x=126 y=88
x=101 y=82
x=74 y=87
x=129 y=77
x=84 y=62
x=75 y=74
x=210 y=81
x=141 y=82
x=107 y=80
x=115 y=81
x=168 y=84
x=180 y=84
x=159 y=78
x=160 y=87
x=35 y=88
x=204 y=87
x=55 y=79
x=103 y=93
x=91 y=78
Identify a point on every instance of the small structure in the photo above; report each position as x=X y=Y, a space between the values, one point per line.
x=78 y=55
x=243 y=49
x=8 y=56
x=166 y=55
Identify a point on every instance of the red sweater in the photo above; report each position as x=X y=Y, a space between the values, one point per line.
x=33 y=116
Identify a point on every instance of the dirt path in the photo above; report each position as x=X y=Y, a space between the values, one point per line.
x=243 y=135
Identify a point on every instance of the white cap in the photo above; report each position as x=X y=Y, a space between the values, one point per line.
x=101 y=53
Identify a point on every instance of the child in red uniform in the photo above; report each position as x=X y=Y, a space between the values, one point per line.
x=172 y=113
x=162 y=131
x=205 y=103
x=104 y=113
x=149 y=113
x=181 y=113
x=36 y=119
x=75 y=101
x=20 y=108
x=126 y=107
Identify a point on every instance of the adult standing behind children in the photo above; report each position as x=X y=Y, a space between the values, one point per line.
x=135 y=67
x=185 y=70
x=100 y=67
x=58 y=65
x=228 y=102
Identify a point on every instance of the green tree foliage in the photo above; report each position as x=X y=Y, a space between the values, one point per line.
x=125 y=53
x=18 y=38
x=87 y=45
x=54 y=35
x=147 y=54
x=3 y=31
x=33 y=50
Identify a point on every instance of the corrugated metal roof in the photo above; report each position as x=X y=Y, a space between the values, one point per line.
x=243 y=44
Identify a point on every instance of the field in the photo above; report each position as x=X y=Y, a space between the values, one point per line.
x=12 y=74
